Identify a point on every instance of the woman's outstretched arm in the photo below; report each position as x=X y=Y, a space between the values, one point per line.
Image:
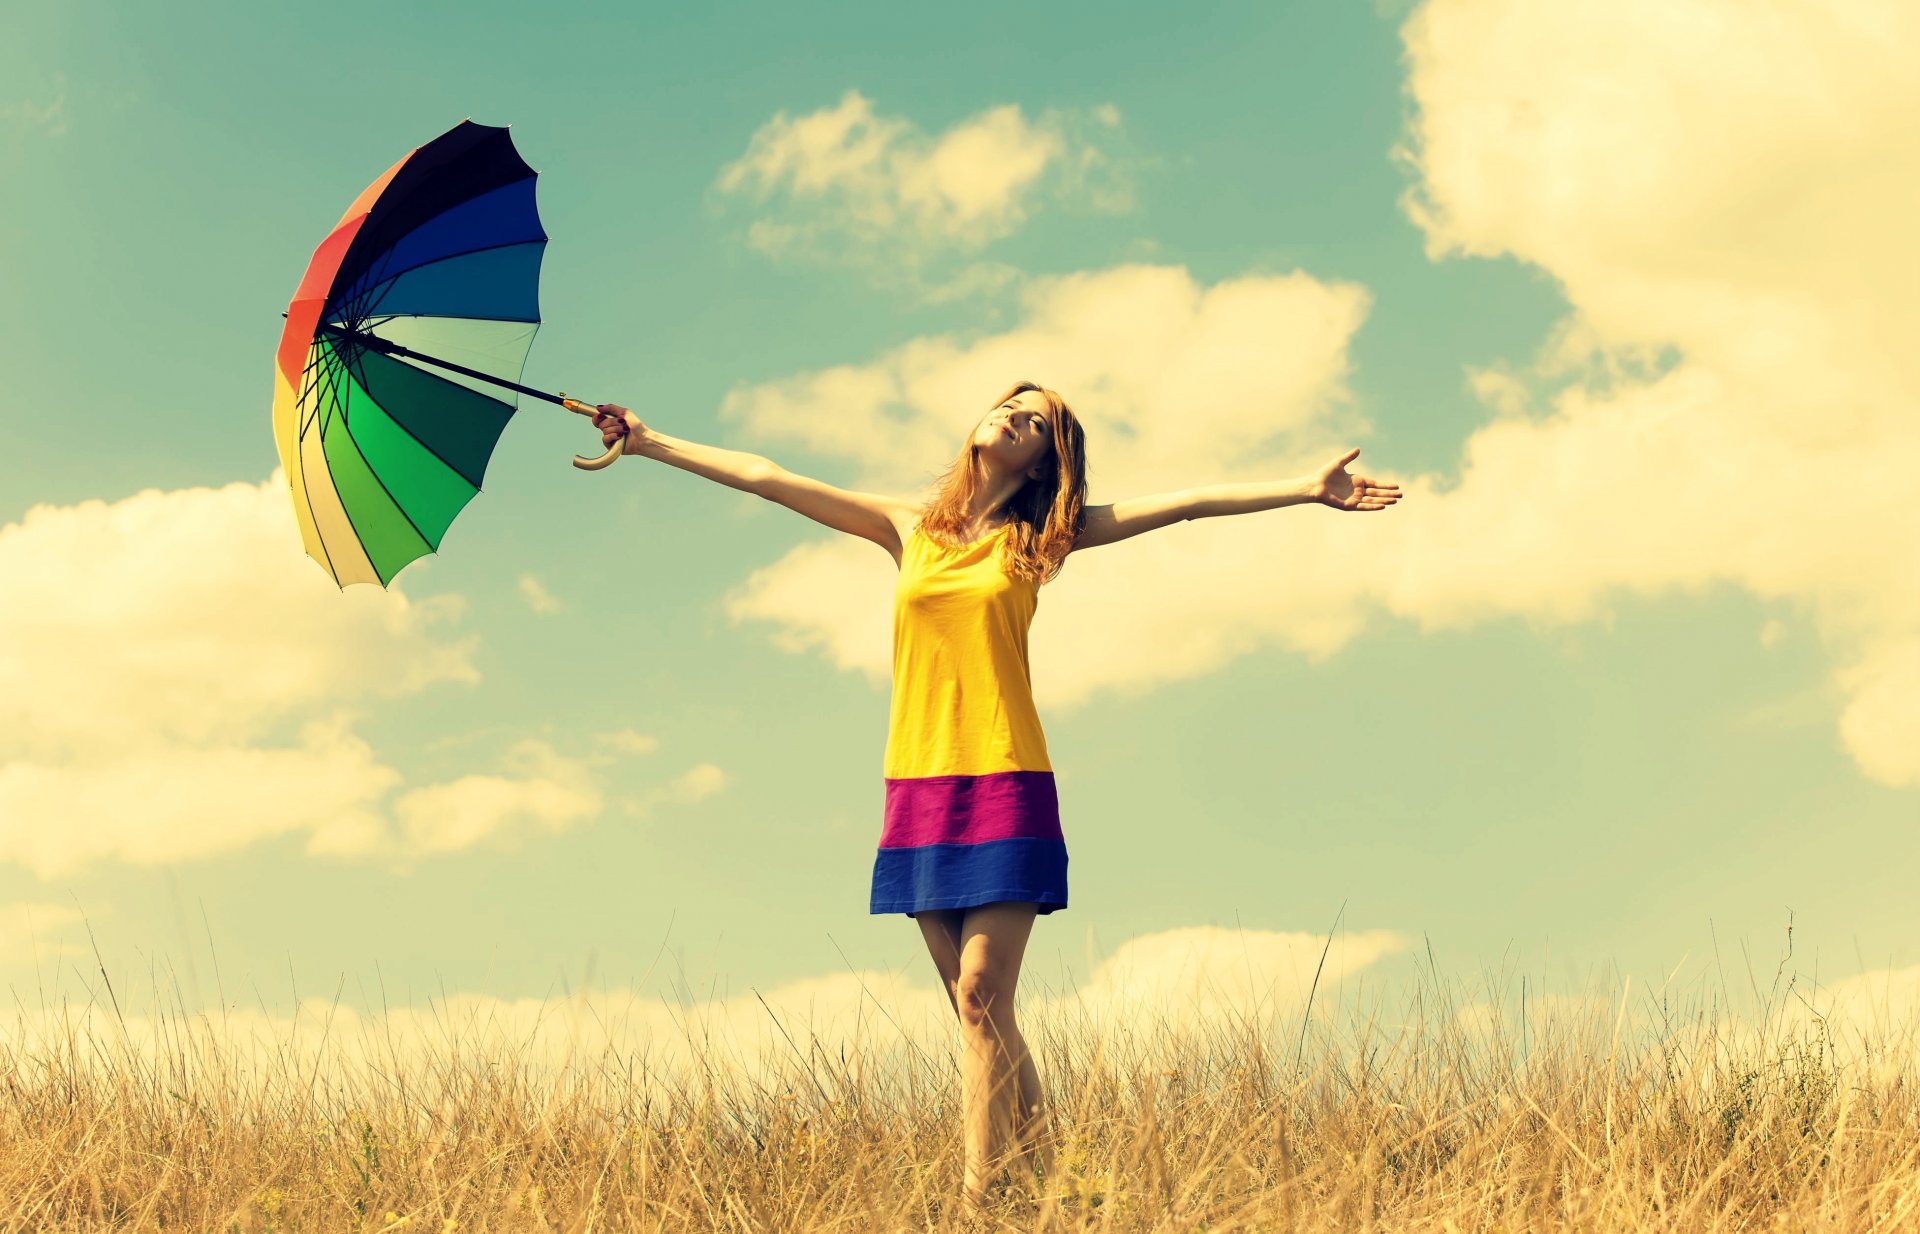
x=733 y=468
x=871 y=516
x=1330 y=486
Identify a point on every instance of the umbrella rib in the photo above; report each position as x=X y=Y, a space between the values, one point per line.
x=360 y=309
x=373 y=321
x=334 y=400
x=353 y=308
x=529 y=321
x=313 y=516
x=306 y=488
x=340 y=405
x=384 y=283
x=362 y=374
x=374 y=342
x=307 y=387
x=407 y=353
x=325 y=398
x=383 y=484
x=519 y=369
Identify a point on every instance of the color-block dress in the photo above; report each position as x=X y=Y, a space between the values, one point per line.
x=971 y=814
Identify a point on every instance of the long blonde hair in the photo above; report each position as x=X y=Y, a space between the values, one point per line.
x=1047 y=514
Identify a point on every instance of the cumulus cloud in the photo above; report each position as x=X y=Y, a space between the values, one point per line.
x=845 y=184
x=30 y=929
x=175 y=684
x=1178 y=384
x=1725 y=195
x=25 y=115
x=1867 y=1024
x=1200 y=984
x=1199 y=976
x=179 y=616
x=1193 y=980
x=1725 y=199
x=1544 y=1017
x=1877 y=1003
x=538 y=598
x=553 y=795
x=696 y=783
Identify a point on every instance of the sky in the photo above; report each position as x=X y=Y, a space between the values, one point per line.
x=1627 y=684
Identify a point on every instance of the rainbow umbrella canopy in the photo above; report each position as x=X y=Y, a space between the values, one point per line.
x=397 y=368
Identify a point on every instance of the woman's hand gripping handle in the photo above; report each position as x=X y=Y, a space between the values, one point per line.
x=620 y=431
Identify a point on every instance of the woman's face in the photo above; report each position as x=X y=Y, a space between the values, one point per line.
x=1019 y=432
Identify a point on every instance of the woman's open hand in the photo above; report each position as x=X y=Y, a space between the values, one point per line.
x=615 y=422
x=1334 y=487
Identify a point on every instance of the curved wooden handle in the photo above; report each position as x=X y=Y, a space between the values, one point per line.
x=613 y=451
x=605 y=460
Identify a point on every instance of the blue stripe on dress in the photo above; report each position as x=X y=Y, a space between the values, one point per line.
x=910 y=880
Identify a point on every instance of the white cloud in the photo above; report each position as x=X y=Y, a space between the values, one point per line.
x=1201 y=984
x=1878 y=1001
x=980 y=278
x=1548 y=1015
x=1726 y=197
x=459 y=814
x=695 y=784
x=178 y=681
x=1198 y=977
x=538 y=598
x=30 y=929
x=1190 y=980
x=846 y=184
x=47 y=118
x=690 y=787
x=180 y=617
x=1868 y=1023
x=153 y=804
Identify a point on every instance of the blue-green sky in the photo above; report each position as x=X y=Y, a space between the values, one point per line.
x=1643 y=755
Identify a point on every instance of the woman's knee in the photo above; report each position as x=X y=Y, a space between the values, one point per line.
x=984 y=1000
x=993 y=941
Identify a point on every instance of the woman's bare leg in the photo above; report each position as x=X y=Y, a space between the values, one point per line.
x=941 y=928
x=993 y=941
x=943 y=931
x=1033 y=1126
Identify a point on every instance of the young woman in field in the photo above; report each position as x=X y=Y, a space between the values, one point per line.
x=971 y=846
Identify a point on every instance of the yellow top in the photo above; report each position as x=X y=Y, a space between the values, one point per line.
x=962 y=693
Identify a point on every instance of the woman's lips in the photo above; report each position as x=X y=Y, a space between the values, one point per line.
x=1006 y=430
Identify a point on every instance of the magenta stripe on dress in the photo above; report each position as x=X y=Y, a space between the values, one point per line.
x=1004 y=805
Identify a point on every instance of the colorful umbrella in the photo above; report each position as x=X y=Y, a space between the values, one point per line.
x=396 y=370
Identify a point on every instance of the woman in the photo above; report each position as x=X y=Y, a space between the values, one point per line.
x=971 y=845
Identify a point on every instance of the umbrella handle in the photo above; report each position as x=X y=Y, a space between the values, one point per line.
x=613 y=451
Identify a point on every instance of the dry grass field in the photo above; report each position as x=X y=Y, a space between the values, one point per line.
x=1431 y=1118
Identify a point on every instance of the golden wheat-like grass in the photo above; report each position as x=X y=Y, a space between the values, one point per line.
x=1425 y=1120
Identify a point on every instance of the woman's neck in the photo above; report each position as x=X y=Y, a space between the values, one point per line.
x=986 y=524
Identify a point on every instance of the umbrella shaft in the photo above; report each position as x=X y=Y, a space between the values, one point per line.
x=373 y=342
